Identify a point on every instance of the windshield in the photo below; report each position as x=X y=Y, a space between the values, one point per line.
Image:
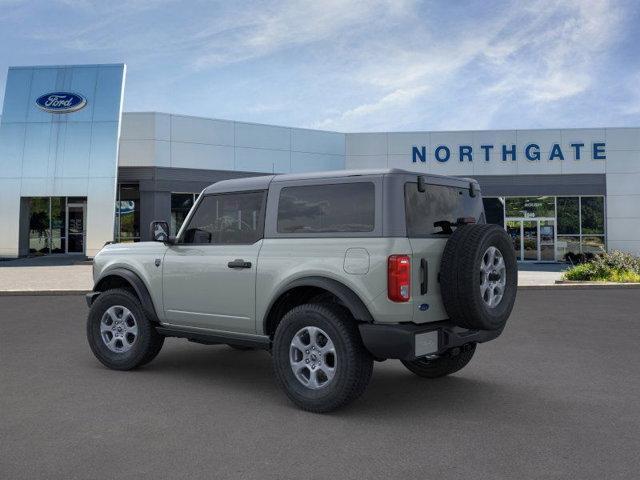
x=437 y=210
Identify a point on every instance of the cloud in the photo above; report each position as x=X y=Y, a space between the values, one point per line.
x=536 y=55
x=343 y=64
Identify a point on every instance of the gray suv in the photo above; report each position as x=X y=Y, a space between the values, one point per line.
x=326 y=271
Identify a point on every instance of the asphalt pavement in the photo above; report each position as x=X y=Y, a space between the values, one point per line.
x=556 y=396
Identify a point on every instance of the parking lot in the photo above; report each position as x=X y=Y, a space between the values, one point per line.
x=557 y=396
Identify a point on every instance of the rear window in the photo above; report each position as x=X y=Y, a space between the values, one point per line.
x=424 y=210
x=343 y=207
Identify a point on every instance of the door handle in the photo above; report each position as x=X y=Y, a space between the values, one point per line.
x=239 y=263
x=424 y=281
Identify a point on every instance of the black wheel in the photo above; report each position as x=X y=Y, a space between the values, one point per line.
x=479 y=277
x=119 y=333
x=241 y=348
x=319 y=359
x=452 y=361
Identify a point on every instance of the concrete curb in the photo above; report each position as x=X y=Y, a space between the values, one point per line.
x=9 y=293
x=580 y=286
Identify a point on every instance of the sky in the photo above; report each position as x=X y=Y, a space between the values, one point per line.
x=349 y=65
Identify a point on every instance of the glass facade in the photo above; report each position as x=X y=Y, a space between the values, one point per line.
x=127 y=224
x=57 y=225
x=546 y=228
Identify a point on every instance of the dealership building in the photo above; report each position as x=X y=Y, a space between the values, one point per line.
x=76 y=171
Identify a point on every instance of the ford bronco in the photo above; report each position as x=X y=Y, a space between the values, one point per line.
x=328 y=271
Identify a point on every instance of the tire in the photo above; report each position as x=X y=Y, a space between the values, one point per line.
x=479 y=277
x=127 y=350
x=350 y=366
x=447 y=364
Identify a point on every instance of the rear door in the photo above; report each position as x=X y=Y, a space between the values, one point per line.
x=429 y=218
x=209 y=276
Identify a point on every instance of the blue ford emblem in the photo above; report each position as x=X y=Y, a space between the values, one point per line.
x=61 y=102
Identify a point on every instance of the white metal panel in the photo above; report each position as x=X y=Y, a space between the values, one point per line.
x=623 y=184
x=400 y=143
x=495 y=165
x=138 y=126
x=623 y=206
x=623 y=138
x=623 y=229
x=315 y=162
x=631 y=246
x=197 y=155
x=262 y=136
x=201 y=130
x=354 y=162
x=262 y=160
x=366 y=144
x=314 y=141
x=138 y=153
x=623 y=161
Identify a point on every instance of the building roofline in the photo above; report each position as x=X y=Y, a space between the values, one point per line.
x=377 y=132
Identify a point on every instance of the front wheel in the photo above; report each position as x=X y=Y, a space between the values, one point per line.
x=119 y=333
x=452 y=361
x=319 y=359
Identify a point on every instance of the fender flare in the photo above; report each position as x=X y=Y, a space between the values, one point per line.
x=136 y=283
x=347 y=296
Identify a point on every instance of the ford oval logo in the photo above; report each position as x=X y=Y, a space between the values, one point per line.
x=61 y=102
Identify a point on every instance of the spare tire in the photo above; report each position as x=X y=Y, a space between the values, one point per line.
x=479 y=277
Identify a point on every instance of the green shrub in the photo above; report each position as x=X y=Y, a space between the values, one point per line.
x=615 y=266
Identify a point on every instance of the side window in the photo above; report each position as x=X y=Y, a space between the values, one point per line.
x=227 y=219
x=341 y=207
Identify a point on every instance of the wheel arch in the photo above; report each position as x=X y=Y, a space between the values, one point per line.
x=125 y=278
x=311 y=287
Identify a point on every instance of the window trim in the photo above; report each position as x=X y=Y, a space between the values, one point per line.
x=332 y=232
x=194 y=209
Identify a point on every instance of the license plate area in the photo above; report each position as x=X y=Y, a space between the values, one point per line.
x=426 y=343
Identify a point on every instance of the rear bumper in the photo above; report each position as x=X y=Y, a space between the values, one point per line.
x=410 y=341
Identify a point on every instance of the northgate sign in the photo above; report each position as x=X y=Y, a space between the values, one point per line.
x=531 y=152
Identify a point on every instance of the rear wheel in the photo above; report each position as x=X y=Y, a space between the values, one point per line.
x=119 y=333
x=319 y=359
x=452 y=361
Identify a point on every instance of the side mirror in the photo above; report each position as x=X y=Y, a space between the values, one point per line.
x=159 y=231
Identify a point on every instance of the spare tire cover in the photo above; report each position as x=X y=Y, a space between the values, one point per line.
x=479 y=277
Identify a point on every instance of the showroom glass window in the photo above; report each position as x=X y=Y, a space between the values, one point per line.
x=181 y=203
x=530 y=207
x=48 y=228
x=227 y=219
x=127 y=226
x=331 y=208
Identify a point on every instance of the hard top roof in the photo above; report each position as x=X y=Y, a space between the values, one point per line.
x=263 y=182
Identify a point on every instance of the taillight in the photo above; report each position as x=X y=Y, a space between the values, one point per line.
x=399 y=278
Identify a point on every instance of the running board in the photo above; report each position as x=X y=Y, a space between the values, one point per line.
x=216 y=338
